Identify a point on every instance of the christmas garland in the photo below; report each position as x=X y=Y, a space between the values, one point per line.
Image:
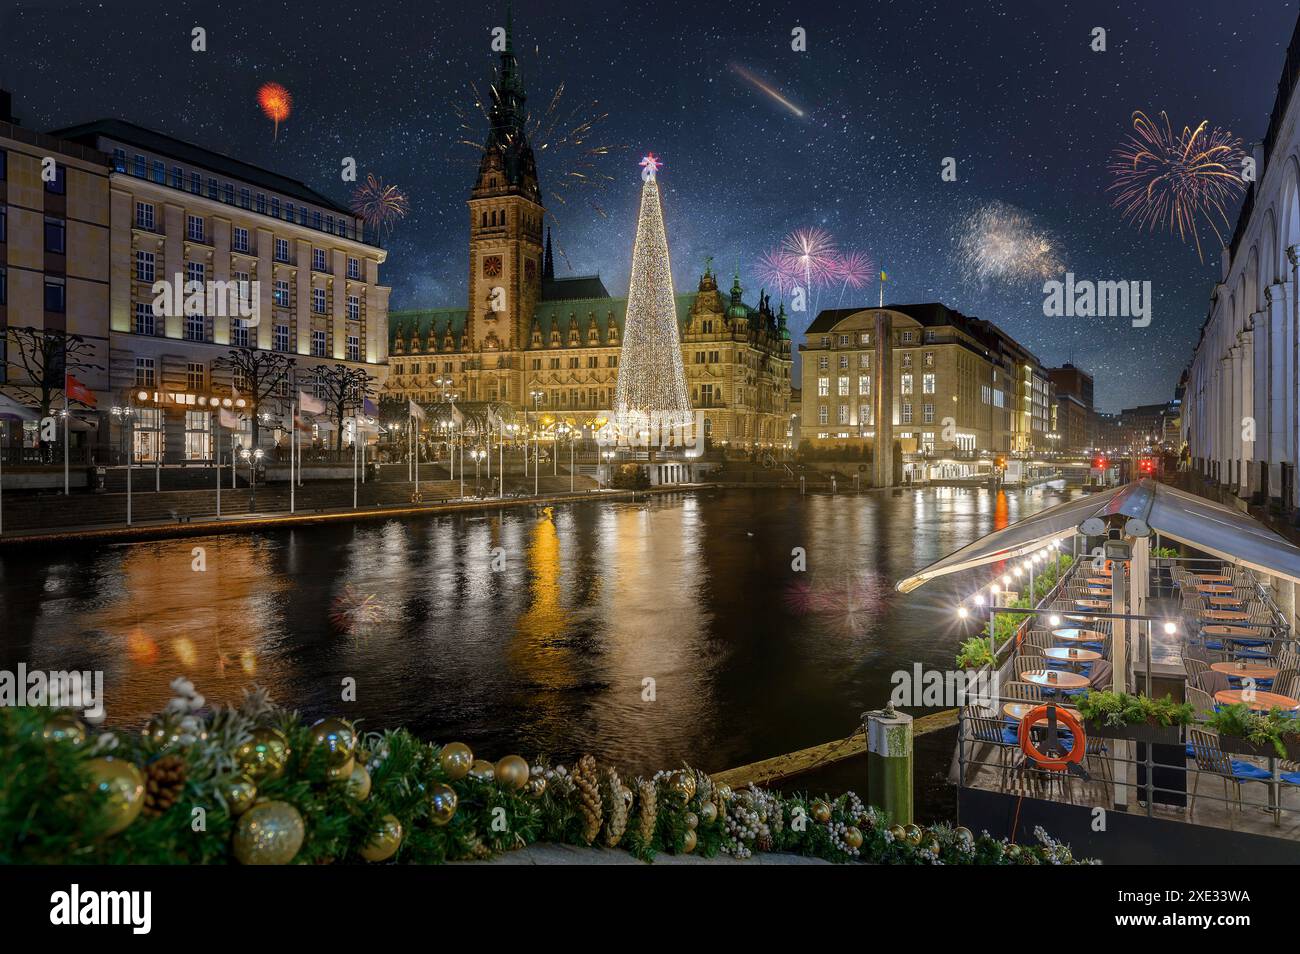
x=254 y=784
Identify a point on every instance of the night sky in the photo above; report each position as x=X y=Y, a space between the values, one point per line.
x=1011 y=90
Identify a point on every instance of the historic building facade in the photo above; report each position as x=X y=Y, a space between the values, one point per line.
x=536 y=342
x=955 y=386
x=182 y=214
x=1240 y=408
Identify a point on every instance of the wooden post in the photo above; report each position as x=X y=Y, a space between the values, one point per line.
x=889 y=763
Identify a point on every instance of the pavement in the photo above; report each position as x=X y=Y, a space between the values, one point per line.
x=575 y=855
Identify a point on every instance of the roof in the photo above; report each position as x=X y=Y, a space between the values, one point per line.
x=931 y=314
x=123 y=131
x=1195 y=521
x=573 y=288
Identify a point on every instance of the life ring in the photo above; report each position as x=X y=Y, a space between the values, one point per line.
x=1078 y=746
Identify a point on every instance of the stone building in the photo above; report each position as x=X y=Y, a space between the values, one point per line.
x=537 y=342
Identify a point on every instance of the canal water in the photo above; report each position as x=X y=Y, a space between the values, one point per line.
x=650 y=634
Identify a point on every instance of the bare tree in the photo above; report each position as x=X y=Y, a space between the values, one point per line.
x=263 y=374
x=37 y=361
x=343 y=390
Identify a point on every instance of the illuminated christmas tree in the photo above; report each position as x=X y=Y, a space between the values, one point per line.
x=651 y=392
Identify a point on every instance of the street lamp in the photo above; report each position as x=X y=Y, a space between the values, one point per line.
x=253 y=457
x=537 y=400
x=608 y=457
x=127 y=415
x=476 y=455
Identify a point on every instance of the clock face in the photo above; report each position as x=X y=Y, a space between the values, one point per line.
x=492 y=266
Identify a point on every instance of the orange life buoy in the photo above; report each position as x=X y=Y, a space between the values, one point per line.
x=1054 y=763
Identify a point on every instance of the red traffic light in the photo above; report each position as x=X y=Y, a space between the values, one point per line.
x=1099 y=463
x=1147 y=465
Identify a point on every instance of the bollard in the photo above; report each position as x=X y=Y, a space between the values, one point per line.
x=889 y=763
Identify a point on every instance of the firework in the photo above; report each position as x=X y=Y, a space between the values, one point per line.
x=854 y=269
x=776 y=270
x=353 y=612
x=1178 y=182
x=814 y=255
x=276 y=104
x=380 y=205
x=1002 y=243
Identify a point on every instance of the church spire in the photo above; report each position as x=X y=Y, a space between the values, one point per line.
x=506 y=149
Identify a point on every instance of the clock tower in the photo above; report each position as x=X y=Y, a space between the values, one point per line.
x=505 y=223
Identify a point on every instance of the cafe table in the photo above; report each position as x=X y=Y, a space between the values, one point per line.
x=1018 y=710
x=1213 y=578
x=1092 y=604
x=1225 y=616
x=1260 y=702
x=1245 y=670
x=1245 y=635
x=1099 y=580
x=1055 y=679
x=1215 y=589
x=1071 y=654
x=1075 y=635
x=1224 y=602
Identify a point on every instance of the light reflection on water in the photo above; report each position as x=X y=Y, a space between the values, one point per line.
x=694 y=591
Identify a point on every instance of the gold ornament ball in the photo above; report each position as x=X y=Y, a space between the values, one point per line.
x=536 y=786
x=688 y=845
x=1013 y=851
x=965 y=836
x=853 y=837
x=337 y=737
x=692 y=821
x=442 y=804
x=263 y=756
x=709 y=813
x=383 y=844
x=122 y=782
x=724 y=792
x=239 y=792
x=456 y=760
x=269 y=833
x=358 y=783
x=896 y=832
x=65 y=727
x=821 y=811
x=933 y=846
x=341 y=773
x=512 y=772
x=482 y=771
x=683 y=783
x=913 y=835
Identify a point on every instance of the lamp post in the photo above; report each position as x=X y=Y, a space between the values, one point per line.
x=608 y=457
x=477 y=454
x=253 y=457
x=127 y=416
x=537 y=400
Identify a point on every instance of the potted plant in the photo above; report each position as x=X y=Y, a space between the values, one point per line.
x=974 y=654
x=1243 y=731
x=1119 y=715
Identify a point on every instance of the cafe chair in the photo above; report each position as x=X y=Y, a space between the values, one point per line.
x=1210 y=759
x=1212 y=682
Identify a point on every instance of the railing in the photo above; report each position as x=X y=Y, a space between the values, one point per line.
x=49 y=456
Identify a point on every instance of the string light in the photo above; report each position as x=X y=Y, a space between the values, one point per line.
x=651 y=387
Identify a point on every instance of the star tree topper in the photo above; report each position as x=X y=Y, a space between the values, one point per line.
x=649 y=166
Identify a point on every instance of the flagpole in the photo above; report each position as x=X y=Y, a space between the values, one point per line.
x=354 y=463
x=65 y=432
x=460 y=445
x=130 y=456
x=293 y=451
x=501 y=458
x=216 y=433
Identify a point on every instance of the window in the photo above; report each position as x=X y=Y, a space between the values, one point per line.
x=354 y=348
x=927 y=442
x=318 y=259
x=195 y=272
x=907 y=360
x=195 y=328
x=140 y=166
x=281 y=338
x=239 y=336
x=927 y=384
x=144 y=372
x=316 y=219
x=195 y=376
x=823 y=414
x=844 y=361
x=907 y=414
x=823 y=387
x=261 y=202
x=55 y=295
x=354 y=268
x=281 y=250
x=275 y=207
x=119 y=161
x=905 y=383
x=194 y=228
x=927 y=413
x=823 y=362
x=843 y=417
x=927 y=359
x=318 y=300
x=144 y=216
x=4 y=294
x=929 y=336
x=144 y=267
x=318 y=344
x=866 y=415
x=865 y=338
x=245 y=198
x=228 y=194
x=864 y=385
x=144 y=323
x=843 y=385
x=213 y=189
x=196 y=183
x=329 y=224
x=907 y=337
x=354 y=308
x=178 y=178
x=159 y=172
x=844 y=340
x=281 y=294
x=240 y=239
x=197 y=444
x=56 y=236
x=288 y=211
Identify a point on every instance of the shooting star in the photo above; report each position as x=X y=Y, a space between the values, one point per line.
x=753 y=80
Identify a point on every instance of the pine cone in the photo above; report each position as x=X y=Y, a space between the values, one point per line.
x=615 y=806
x=587 y=782
x=763 y=843
x=649 y=810
x=164 y=783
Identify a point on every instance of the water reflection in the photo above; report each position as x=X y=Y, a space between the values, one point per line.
x=549 y=649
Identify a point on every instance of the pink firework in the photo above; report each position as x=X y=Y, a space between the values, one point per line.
x=814 y=255
x=777 y=270
x=854 y=269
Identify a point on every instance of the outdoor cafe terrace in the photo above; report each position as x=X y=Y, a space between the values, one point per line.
x=1181 y=672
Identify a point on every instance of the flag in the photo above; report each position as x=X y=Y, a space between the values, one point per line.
x=77 y=391
x=456 y=416
x=369 y=408
x=309 y=404
x=883 y=276
x=415 y=410
x=228 y=419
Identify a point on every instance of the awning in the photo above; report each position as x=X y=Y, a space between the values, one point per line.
x=11 y=410
x=1195 y=521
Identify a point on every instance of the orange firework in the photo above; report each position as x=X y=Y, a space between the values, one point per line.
x=276 y=103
